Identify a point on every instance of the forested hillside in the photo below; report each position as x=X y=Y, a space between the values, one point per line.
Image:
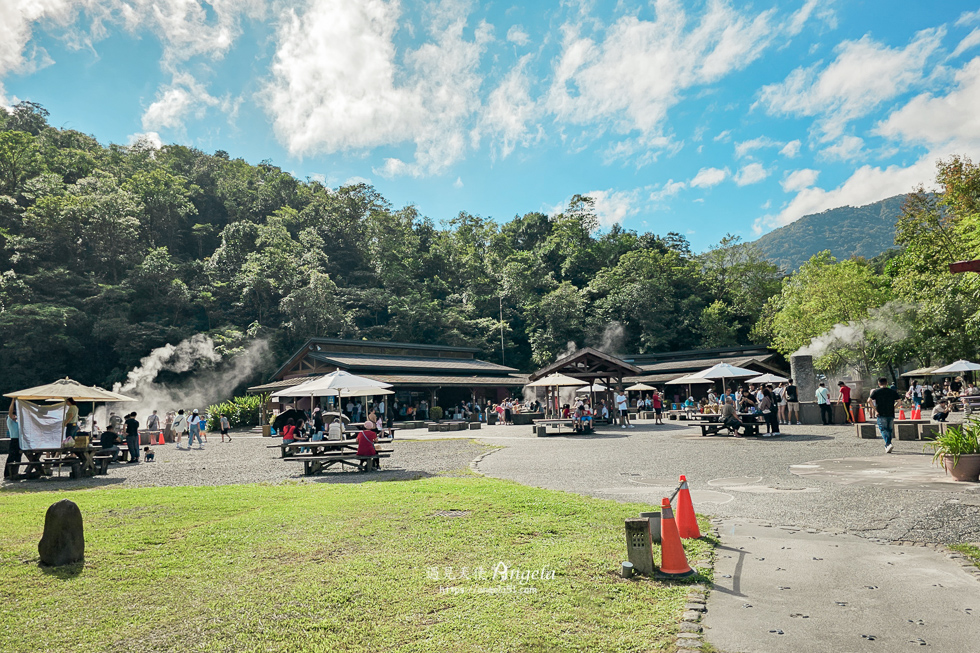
x=107 y=252
x=846 y=231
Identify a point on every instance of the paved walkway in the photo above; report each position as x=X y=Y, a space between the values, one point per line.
x=843 y=500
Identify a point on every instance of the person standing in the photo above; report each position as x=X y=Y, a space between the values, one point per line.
x=133 y=437
x=180 y=426
x=782 y=405
x=622 y=405
x=379 y=409
x=845 y=401
x=658 y=408
x=71 y=419
x=225 y=428
x=153 y=422
x=13 y=432
x=884 y=399
x=823 y=401
x=792 y=402
x=767 y=406
x=194 y=430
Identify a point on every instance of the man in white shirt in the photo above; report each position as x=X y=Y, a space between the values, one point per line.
x=823 y=400
x=622 y=404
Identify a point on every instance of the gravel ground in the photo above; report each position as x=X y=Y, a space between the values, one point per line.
x=246 y=459
x=745 y=477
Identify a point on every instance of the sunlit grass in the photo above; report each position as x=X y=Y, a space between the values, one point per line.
x=322 y=567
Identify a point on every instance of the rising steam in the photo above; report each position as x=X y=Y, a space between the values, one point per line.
x=213 y=380
x=884 y=325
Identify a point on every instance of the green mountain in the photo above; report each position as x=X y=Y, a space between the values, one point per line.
x=846 y=231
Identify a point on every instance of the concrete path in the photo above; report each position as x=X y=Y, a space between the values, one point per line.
x=845 y=501
x=783 y=589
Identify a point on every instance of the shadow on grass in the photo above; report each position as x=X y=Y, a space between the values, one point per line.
x=353 y=476
x=48 y=483
x=64 y=572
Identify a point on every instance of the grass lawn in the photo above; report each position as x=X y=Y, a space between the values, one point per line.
x=972 y=551
x=324 y=567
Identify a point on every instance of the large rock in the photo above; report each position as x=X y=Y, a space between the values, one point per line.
x=63 y=542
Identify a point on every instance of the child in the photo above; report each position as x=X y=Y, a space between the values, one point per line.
x=147 y=455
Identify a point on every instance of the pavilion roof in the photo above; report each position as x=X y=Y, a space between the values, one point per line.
x=589 y=364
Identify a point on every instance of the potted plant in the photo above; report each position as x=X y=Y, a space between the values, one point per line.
x=959 y=450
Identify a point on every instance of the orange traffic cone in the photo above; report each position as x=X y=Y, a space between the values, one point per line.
x=673 y=561
x=901 y=413
x=161 y=438
x=861 y=414
x=687 y=521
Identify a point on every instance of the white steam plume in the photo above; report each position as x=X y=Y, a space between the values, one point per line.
x=883 y=324
x=213 y=380
x=613 y=337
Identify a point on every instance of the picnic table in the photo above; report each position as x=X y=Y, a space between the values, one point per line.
x=82 y=461
x=324 y=454
x=710 y=423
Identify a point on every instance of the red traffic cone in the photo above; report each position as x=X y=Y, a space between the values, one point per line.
x=901 y=413
x=161 y=438
x=861 y=414
x=673 y=561
x=687 y=521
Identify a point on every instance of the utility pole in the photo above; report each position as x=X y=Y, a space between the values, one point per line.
x=502 y=330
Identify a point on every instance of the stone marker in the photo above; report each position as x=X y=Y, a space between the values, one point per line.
x=930 y=431
x=639 y=547
x=63 y=541
x=867 y=431
x=906 y=431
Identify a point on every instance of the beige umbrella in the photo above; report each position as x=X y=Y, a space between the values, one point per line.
x=554 y=380
x=68 y=389
x=640 y=387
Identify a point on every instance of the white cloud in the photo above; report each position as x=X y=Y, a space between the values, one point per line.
x=336 y=84
x=941 y=122
x=596 y=82
x=799 y=18
x=175 y=101
x=746 y=147
x=971 y=40
x=669 y=189
x=791 y=149
x=847 y=148
x=863 y=76
x=508 y=111
x=799 y=180
x=517 y=35
x=753 y=173
x=968 y=18
x=145 y=140
x=724 y=136
x=612 y=206
x=458 y=183
x=708 y=177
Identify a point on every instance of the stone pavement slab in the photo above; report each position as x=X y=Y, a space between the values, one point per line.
x=787 y=589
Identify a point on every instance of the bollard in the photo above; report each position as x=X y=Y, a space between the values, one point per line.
x=627 y=570
x=639 y=547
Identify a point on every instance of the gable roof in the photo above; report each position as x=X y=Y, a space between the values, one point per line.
x=587 y=364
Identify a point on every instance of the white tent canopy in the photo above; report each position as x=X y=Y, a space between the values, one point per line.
x=958 y=366
x=640 y=387
x=337 y=384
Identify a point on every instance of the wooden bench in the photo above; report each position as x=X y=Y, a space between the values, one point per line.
x=43 y=467
x=102 y=461
x=316 y=464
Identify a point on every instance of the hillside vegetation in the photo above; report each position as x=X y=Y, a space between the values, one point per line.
x=846 y=231
x=107 y=252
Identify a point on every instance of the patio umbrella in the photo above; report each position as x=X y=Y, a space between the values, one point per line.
x=640 y=387
x=68 y=389
x=689 y=380
x=595 y=387
x=337 y=384
x=724 y=371
x=922 y=371
x=958 y=366
x=554 y=380
x=768 y=378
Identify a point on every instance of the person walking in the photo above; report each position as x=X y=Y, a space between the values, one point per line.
x=845 y=401
x=225 y=428
x=153 y=422
x=133 y=437
x=792 y=402
x=194 y=430
x=823 y=401
x=622 y=405
x=13 y=447
x=884 y=399
x=180 y=426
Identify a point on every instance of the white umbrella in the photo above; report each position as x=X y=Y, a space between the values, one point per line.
x=640 y=387
x=595 y=387
x=724 y=371
x=688 y=380
x=554 y=380
x=958 y=366
x=768 y=378
x=339 y=383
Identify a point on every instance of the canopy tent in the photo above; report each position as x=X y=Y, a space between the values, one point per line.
x=68 y=389
x=769 y=378
x=640 y=387
x=958 y=366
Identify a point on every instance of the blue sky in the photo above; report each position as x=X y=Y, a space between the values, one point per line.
x=703 y=118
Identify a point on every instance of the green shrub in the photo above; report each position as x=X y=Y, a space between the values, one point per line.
x=241 y=411
x=435 y=413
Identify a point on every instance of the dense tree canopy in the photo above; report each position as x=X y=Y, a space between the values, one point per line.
x=109 y=252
